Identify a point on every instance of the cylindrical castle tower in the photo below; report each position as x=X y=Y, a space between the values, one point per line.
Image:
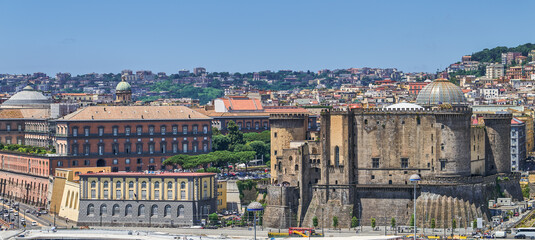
x=498 y=142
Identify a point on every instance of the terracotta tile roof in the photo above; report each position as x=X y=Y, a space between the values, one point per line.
x=242 y=104
x=138 y=174
x=30 y=113
x=134 y=113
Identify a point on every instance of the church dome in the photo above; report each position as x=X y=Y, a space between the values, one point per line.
x=441 y=91
x=123 y=86
x=28 y=97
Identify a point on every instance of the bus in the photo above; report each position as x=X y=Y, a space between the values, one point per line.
x=525 y=233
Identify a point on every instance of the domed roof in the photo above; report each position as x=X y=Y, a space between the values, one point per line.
x=441 y=91
x=123 y=86
x=28 y=96
x=403 y=105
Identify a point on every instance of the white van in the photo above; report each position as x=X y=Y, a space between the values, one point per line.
x=500 y=234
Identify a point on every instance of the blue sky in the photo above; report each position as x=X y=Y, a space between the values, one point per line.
x=242 y=36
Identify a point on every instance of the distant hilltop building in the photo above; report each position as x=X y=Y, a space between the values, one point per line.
x=199 y=71
x=361 y=161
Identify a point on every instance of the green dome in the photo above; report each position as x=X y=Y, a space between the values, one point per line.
x=123 y=86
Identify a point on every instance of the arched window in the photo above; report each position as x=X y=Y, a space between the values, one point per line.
x=167 y=212
x=290 y=158
x=93 y=184
x=141 y=210
x=170 y=185
x=128 y=210
x=143 y=184
x=154 y=210
x=103 y=209
x=106 y=184
x=336 y=156
x=183 y=185
x=131 y=184
x=180 y=211
x=156 y=184
x=279 y=165
x=115 y=210
x=118 y=184
x=296 y=167
x=90 y=209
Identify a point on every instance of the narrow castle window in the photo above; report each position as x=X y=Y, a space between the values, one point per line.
x=296 y=167
x=336 y=156
x=365 y=121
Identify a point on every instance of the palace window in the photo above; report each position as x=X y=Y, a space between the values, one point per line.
x=375 y=162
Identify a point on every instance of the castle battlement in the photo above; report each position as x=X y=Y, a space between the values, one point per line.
x=286 y=116
x=497 y=116
x=426 y=110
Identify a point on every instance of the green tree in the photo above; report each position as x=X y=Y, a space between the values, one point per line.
x=354 y=222
x=525 y=191
x=245 y=157
x=264 y=136
x=335 y=222
x=213 y=218
x=205 y=159
x=453 y=224
x=373 y=222
x=315 y=221
x=412 y=220
x=182 y=160
x=220 y=142
x=235 y=135
x=261 y=148
x=474 y=224
x=433 y=223
x=224 y=158
x=242 y=148
x=393 y=223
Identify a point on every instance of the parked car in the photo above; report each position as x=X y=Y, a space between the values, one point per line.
x=520 y=236
x=34 y=223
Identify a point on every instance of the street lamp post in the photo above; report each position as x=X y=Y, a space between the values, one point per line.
x=255 y=207
x=322 y=233
x=414 y=179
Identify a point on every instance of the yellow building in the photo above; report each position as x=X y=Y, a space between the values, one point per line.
x=146 y=199
x=66 y=190
x=221 y=196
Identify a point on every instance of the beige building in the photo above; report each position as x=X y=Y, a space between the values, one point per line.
x=65 y=197
x=495 y=71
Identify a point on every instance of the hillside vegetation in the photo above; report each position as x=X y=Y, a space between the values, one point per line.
x=495 y=54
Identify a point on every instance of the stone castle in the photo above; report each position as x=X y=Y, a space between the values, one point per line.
x=360 y=163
